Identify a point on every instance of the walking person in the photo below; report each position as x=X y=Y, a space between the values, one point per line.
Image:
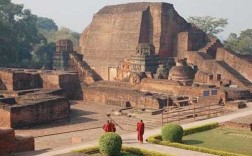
x=107 y=127
x=140 y=131
x=112 y=126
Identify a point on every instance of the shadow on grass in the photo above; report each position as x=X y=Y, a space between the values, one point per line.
x=192 y=142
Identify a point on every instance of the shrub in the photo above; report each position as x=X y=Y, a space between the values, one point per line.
x=200 y=128
x=131 y=150
x=172 y=132
x=110 y=144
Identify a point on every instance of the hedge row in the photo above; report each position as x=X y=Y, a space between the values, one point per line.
x=88 y=150
x=201 y=128
x=132 y=150
x=157 y=139
x=142 y=152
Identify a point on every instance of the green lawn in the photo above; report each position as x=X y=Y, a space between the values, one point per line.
x=223 y=139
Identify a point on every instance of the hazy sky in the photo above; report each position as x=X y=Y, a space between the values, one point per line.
x=77 y=14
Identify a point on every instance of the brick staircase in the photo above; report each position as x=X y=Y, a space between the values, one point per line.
x=243 y=81
x=84 y=68
x=212 y=45
x=205 y=56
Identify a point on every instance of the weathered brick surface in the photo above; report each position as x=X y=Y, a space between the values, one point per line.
x=43 y=110
x=27 y=79
x=6 y=79
x=24 y=143
x=4 y=117
x=231 y=68
x=239 y=126
x=10 y=143
x=173 y=88
x=243 y=66
x=7 y=134
x=122 y=96
x=241 y=123
x=50 y=80
x=130 y=24
x=69 y=82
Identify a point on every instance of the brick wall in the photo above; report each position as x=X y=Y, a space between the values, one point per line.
x=24 y=143
x=10 y=143
x=239 y=64
x=70 y=83
x=7 y=141
x=39 y=112
x=134 y=98
x=50 y=80
x=171 y=88
x=23 y=81
x=4 y=117
x=7 y=79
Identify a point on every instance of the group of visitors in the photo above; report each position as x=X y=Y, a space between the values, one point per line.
x=110 y=127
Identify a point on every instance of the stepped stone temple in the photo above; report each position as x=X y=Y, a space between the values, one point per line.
x=151 y=47
x=116 y=31
x=142 y=55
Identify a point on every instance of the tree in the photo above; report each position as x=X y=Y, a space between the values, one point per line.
x=43 y=54
x=46 y=24
x=18 y=33
x=211 y=25
x=62 y=33
x=241 y=44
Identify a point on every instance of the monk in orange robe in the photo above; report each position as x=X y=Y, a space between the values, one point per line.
x=112 y=126
x=107 y=127
x=140 y=131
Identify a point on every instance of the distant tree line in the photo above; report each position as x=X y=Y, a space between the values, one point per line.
x=27 y=40
x=241 y=44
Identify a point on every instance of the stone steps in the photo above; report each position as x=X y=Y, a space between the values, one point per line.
x=205 y=56
x=212 y=43
x=84 y=67
x=236 y=74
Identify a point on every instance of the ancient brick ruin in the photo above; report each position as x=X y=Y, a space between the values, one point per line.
x=10 y=142
x=242 y=123
x=30 y=97
x=116 y=31
x=153 y=48
x=152 y=53
x=65 y=59
x=141 y=56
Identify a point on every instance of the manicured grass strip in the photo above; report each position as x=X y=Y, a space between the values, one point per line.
x=88 y=150
x=223 y=139
x=200 y=128
x=142 y=152
x=132 y=150
x=157 y=140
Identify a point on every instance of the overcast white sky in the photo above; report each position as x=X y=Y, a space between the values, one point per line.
x=77 y=14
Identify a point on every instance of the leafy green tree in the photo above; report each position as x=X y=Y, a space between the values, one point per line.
x=43 y=54
x=18 y=33
x=26 y=38
x=241 y=44
x=211 y=25
x=46 y=24
x=62 y=33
